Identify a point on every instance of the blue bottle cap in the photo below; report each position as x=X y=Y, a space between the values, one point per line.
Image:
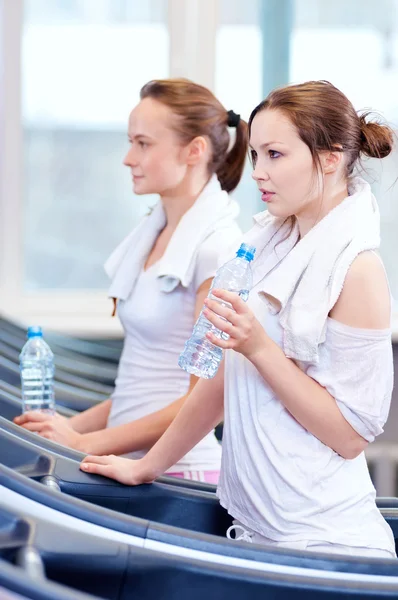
x=34 y=331
x=246 y=251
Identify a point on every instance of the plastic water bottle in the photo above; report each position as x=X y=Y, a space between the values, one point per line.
x=200 y=356
x=37 y=373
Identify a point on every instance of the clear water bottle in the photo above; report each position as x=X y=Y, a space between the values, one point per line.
x=201 y=357
x=37 y=373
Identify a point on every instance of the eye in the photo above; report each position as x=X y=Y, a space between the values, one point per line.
x=274 y=154
x=142 y=144
x=253 y=156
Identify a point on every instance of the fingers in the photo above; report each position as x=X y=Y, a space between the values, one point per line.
x=100 y=460
x=218 y=322
x=233 y=298
x=32 y=415
x=98 y=469
x=99 y=465
x=35 y=427
x=224 y=344
x=221 y=310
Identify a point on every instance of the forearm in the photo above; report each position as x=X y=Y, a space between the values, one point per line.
x=140 y=434
x=308 y=402
x=92 y=419
x=201 y=412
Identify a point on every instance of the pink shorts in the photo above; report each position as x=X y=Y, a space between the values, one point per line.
x=205 y=476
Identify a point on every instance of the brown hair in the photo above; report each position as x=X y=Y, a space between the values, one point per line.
x=201 y=114
x=326 y=120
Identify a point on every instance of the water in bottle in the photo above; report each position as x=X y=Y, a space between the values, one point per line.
x=37 y=373
x=201 y=357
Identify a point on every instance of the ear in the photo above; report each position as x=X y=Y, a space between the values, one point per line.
x=331 y=161
x=196 y=150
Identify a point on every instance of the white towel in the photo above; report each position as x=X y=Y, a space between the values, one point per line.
x=212 y=211
x=306 y=278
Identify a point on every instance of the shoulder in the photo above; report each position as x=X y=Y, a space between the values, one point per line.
x=214 y=251
x=220 y=243
x=365 y=300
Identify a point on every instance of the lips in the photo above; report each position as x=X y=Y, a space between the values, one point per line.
x=266 y=195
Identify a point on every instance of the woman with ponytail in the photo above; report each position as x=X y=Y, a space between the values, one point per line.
x=181 y=148
x=308 y=370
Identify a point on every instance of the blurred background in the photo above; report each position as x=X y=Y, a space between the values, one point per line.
x=71 y=71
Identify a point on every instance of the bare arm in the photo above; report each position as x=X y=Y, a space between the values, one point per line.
x=201 y=412
x=137 y=435
x=142 y=433
x=64 y=430
x=95 y=438
x=92 y=419
x=87 y=432
x=363 y=303
x=199 y=415
x=309 y=403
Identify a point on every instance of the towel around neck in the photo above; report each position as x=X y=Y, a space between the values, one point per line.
x=212 y=210
x=301 y=279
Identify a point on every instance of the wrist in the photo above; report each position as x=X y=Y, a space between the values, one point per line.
x=83 y=445
x=147 y=470
x=263 y=348
x=71 y=423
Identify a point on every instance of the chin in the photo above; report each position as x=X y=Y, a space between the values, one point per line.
x=277 y=211
x=273 y=210
x=139 y=189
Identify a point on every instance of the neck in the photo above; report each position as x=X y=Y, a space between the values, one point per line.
x=333 y=194
x=178 y=201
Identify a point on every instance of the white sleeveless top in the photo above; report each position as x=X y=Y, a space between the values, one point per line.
x=156 y=326
x=157 y=311
x=280 y=480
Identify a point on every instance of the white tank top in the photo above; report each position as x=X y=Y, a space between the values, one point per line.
x=280 y=480
x=157 y=325
x=157 y=309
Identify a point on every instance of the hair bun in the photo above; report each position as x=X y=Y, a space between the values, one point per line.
x=376 y=138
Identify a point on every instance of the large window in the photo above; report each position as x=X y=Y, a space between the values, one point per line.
x=83 y=64
x=70 y=73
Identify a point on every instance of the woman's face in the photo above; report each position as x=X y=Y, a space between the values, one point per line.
x=155 y=156
x=283 y=166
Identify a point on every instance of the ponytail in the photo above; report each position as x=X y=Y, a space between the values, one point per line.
x=201 y=114
x=231 y=168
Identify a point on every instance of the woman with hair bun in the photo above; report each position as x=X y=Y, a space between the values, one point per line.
x=180 y=149
x=308 y=372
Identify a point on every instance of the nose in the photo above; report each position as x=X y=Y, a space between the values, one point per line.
x=130 y=160
x=259 y=174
